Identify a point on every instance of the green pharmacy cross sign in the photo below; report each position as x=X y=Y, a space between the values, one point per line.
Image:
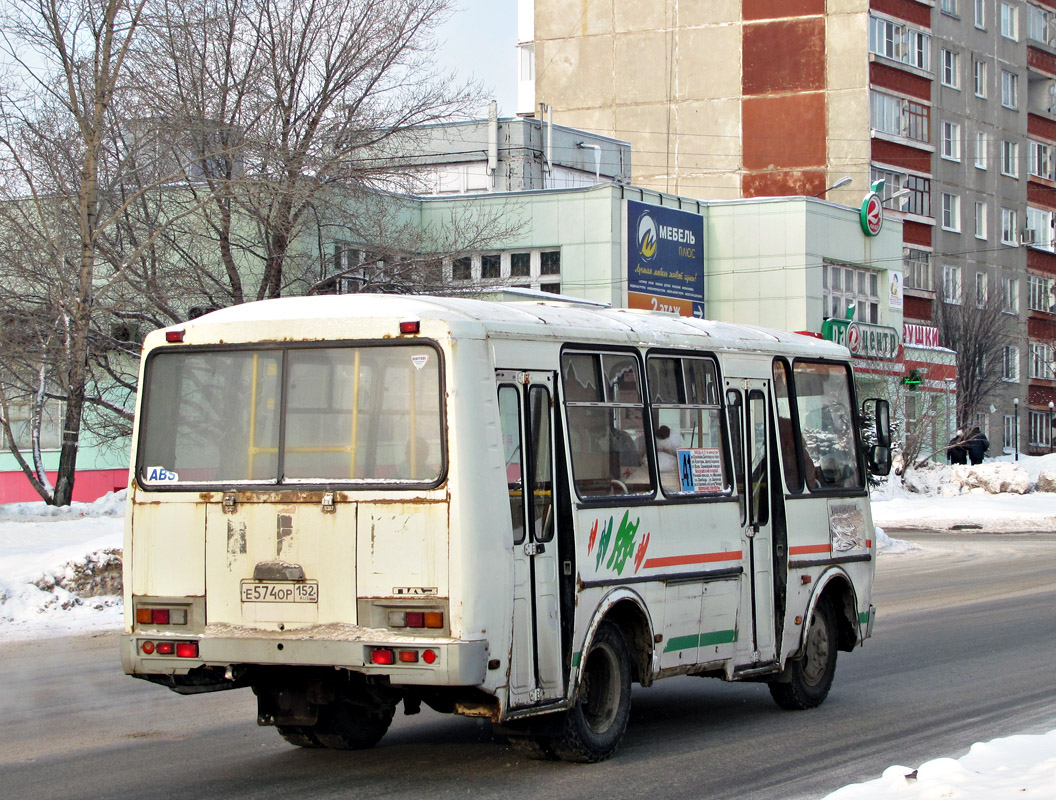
x=862 y=338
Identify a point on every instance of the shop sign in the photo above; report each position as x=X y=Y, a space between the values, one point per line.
x=665 y=259
x=920 y=335
x=863 y=339
x=872 y=214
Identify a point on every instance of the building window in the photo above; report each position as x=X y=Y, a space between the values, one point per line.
x=844 y=287
x=949 y=7
x=1008 y=226
x=980 y=219
x=536 y=269
x=899 y=42
x=982 y=145
x=1010 y=295
x=899 y=116
x=951 y=141
x=1010 y=159
x=490 y=267
x=1010 y=364
x=951 y=284
x=916 y=268
x=951 y=69
x=1009 y=89
x=979 y=68
x=1042 y=294
x=1040 y=161
x=1040 y=25
x=981 y=289
x=1039 y=231
x=951 y=212
x=462 y=269
x=918 y=201
x=520 y=265
x=1040 y=362
x=21 y=419
x=980 y=14
x=1040 y=429
x=1010 y=21
x=1008 y=439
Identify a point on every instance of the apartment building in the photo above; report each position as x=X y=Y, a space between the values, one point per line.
x=951 y=102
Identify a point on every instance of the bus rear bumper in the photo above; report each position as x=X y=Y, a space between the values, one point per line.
x=414 y=661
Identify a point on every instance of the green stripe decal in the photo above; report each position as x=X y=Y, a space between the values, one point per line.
x=575 y=659
x=701 y=640
x=863 y=618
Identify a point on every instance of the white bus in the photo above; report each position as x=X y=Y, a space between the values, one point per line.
x=503 y=510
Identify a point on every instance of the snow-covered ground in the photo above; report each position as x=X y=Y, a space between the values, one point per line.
x=60 y=575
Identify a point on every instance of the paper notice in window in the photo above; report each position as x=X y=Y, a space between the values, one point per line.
x=700 y=469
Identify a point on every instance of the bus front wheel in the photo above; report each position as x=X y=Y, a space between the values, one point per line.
x=805 y=682
x=593 y=728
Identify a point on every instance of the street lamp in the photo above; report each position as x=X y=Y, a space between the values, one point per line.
x=846 y=179
x=1015 y=402
x=1052 y=424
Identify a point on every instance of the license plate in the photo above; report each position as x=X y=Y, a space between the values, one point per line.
x=280 y=592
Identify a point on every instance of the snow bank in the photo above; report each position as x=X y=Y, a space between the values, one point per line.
x=60 y=568
x=885 y=545
x=1016 y=766
x=1000 y=495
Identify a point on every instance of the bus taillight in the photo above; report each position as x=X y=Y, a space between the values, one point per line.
x=382 y=655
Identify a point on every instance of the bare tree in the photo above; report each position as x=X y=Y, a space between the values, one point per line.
x=978 y=333
x=285 y=107
x=53 y=152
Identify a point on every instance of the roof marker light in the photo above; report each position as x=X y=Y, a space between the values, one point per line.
x=174 y=335
x=410 y=326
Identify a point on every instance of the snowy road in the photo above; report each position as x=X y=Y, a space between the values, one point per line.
x=962 y=652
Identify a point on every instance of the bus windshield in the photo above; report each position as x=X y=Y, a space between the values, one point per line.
x=292 y=415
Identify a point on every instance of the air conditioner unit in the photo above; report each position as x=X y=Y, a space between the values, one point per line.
x=1027 y=236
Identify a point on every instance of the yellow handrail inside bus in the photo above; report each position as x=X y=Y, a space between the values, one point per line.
x=354 y=444
x=252 y=417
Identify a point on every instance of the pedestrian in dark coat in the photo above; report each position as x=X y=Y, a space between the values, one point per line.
x=977 y=445
x=956 y=451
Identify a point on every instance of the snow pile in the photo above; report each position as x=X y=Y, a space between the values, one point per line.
x=885 y=545
x=996 y=477
x=1016 y=766
x=1000 y=495
x=60 y=568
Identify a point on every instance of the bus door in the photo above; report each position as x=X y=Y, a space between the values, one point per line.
x=526 y=408
x=749 y=405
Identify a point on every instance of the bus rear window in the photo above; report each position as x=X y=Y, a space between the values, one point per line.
x=304 y=415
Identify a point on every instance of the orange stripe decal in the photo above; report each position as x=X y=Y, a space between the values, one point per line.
x=696 y=558
x=809 y=549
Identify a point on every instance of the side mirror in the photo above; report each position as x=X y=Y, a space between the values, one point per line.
x=879 y=460
x=879 y=455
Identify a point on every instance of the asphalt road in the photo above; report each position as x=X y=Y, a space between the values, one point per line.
x=963 y=651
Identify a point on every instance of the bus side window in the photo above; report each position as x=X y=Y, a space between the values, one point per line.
x=605 y=413
x=510 y=420
x=786 y=430
x=687 y=426
x=735 y=421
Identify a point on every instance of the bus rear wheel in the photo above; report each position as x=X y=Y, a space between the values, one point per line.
x=299 y=735
x=593 y=728
x=347 y=726
x=805 y=682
